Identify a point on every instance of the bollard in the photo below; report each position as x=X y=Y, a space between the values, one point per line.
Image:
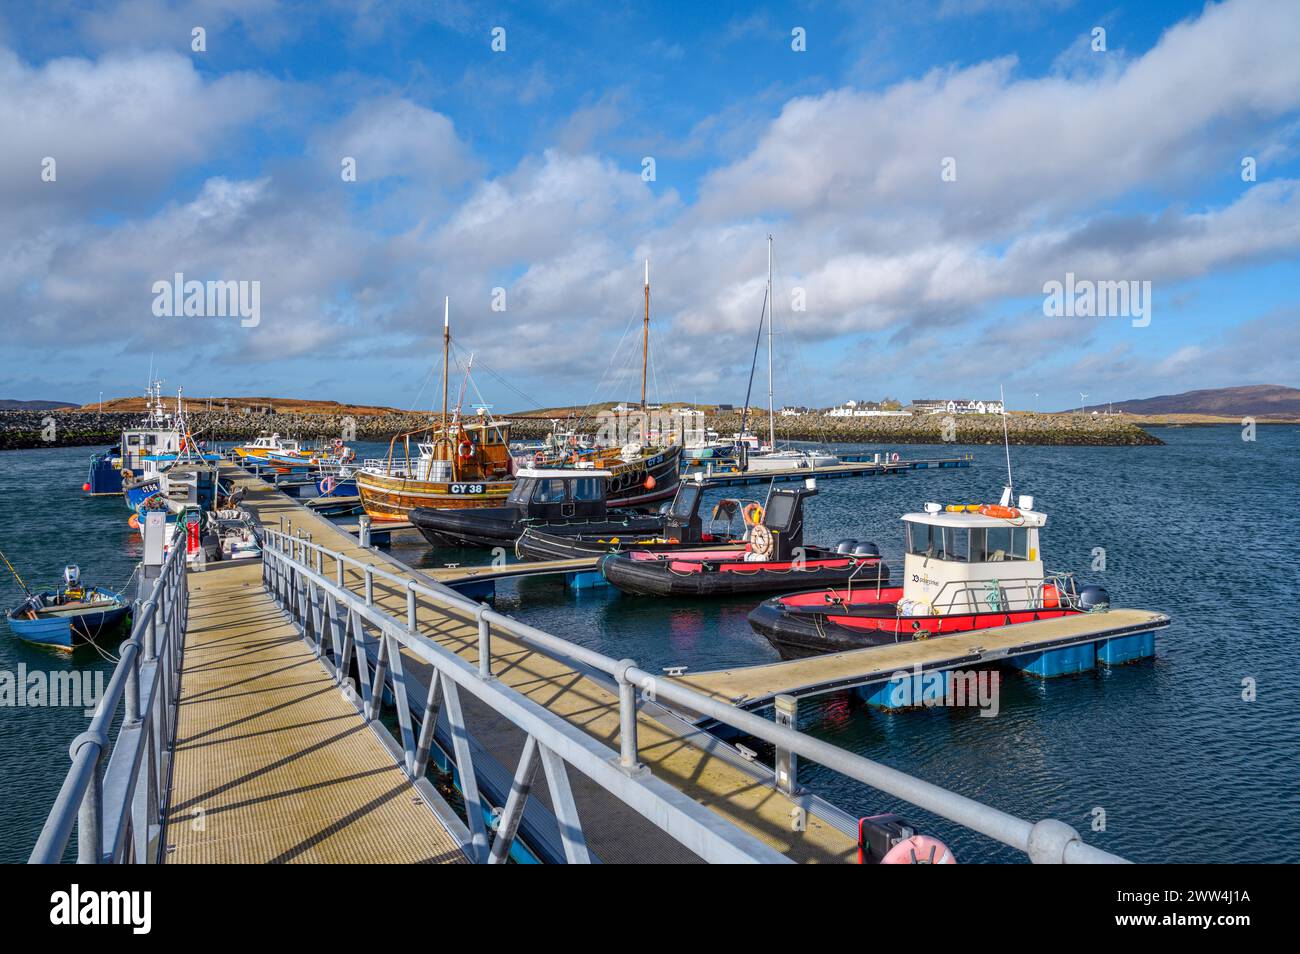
x=364 y=524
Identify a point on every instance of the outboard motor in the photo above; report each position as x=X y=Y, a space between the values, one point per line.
x=71 y=575
x=866 y=550
x=1093 y=597
x=844 y=546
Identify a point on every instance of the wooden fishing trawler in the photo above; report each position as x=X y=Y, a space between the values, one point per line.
x=456 y=465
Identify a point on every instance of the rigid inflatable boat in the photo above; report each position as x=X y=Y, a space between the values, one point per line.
x=774 y=558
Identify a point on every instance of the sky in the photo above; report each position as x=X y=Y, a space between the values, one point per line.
x=926 y=171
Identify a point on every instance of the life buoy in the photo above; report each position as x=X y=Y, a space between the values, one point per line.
x=919 y=850
x=338 y=442
x=753 y=514
x=327 y=486
x=999 y=511
x=465 y=450
x=893 y=458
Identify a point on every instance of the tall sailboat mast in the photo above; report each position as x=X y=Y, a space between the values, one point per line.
x=645 y=334
x=771 y=416
x=446 y=371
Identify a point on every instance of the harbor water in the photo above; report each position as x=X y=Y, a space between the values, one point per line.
x=1191 y=756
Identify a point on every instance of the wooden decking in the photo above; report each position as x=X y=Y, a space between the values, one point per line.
x=857 y=667
x=272 y=763
x=614 y=832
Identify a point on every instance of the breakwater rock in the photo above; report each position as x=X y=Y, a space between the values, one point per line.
x=19 y=429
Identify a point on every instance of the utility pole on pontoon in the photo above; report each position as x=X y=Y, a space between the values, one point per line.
x=645 y=334
x=771 y=414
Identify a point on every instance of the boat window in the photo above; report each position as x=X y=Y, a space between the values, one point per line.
x=1007 y=543
x=521 y=491
x=956 y=544
x=978 y=545
x=920 y=539
x=550 y=490
x=780 y=508
x=587 y=488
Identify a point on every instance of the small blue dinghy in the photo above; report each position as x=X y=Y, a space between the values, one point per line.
x=70 y=617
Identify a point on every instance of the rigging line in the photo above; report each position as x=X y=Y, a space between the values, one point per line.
x=608 y=366
x=744 y=415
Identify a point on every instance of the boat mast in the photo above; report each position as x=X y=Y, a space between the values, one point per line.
x=446 y=351
x=771 y=417
x=645 y=334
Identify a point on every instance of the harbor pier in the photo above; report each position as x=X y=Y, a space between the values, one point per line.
x=331 y=703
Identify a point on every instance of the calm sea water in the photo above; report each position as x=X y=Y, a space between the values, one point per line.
x=1204 y=529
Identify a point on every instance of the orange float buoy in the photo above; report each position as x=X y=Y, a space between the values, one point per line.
x=134 y=522
x=649 y=482
x=86 y=487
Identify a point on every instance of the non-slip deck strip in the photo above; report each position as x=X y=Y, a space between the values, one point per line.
x=614 y=832
x=272 y=763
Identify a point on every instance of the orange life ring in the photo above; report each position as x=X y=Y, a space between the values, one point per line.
x=997 y=510
x=919 y=850
x=753 y=514
x=465 y=450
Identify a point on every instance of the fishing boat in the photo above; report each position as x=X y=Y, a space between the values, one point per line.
x=456 y=465
x=155 y=452
x=155 y=435
x=266 y=446
x=679 y=527
x=967 y=567
x=73 y=615
x=774 y=558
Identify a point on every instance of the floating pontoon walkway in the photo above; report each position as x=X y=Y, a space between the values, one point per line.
x=861 y=468
x=271 y=762
x=755 y=685
x=679 y=755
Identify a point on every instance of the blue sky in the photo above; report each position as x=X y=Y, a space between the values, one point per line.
x=522 y=170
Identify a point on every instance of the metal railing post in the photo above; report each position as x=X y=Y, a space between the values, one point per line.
x=484 y=644
x=785 y=762
x=627 y=743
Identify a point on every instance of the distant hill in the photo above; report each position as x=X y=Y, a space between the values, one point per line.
x=10 y=405
x=1256 y=400
x=135 y=405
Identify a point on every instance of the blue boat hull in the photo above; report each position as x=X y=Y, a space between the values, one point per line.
x=69 y=632
x=105 y=477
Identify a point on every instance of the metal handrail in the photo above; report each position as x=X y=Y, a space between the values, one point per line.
x=1047 y=840
x=116 y=806
x=972 y=590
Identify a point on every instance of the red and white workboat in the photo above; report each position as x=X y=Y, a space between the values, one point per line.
x=967 y=567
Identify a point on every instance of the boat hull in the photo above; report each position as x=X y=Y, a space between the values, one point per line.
x=643 y=573
x=104 y=478
x=541 y=543
x=68 y=632
x=393 y=498
x=796 y=635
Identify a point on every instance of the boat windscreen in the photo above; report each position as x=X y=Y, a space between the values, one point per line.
x=684 y=504
x=780 y=510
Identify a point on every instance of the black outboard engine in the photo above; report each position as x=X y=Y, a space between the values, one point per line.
x=866 y=550
x=844 y=546
x=1093 y=597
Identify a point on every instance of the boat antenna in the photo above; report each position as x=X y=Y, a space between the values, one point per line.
x=645 y=334
x=1006 y=440
x=15 y=573
x=771 y=414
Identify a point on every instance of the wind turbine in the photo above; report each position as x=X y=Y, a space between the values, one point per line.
x=1083 y=408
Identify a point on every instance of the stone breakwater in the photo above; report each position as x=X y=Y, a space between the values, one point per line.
x=20 y=429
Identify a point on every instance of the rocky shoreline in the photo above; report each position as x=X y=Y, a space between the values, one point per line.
x=30 y=429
